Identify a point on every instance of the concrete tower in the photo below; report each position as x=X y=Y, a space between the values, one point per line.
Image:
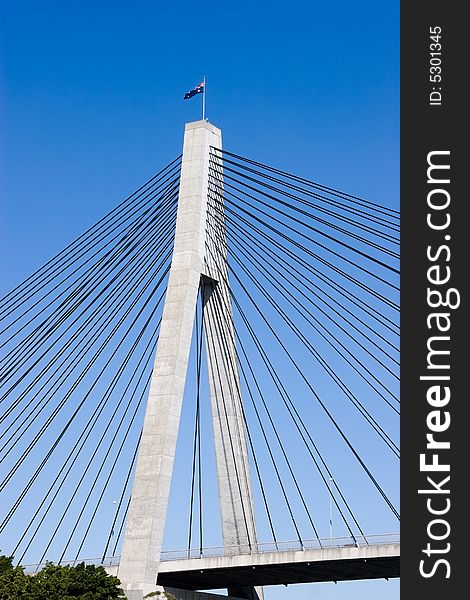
x=192 y=267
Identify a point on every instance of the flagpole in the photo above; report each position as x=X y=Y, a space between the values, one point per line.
x=204 y=100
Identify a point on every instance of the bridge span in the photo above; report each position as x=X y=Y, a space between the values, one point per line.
x=381 y=561
x=338 y=559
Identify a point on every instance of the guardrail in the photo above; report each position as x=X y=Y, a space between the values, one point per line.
x=262 y=547
x=259 y=548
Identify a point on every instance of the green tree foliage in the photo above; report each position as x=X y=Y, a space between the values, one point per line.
x=82 y=582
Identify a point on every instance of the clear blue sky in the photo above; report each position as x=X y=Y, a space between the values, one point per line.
x=91 y=106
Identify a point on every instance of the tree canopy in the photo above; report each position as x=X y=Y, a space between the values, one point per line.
x=53 y=582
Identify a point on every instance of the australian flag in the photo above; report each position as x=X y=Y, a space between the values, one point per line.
x=199 y=89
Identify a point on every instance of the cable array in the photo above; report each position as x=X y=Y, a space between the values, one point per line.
x=78 y=338
x=319 y=297
x=303 y=303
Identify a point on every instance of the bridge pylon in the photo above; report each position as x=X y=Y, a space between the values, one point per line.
x=193 y=270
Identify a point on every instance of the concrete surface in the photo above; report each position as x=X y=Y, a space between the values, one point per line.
x=147 y=511
x=284 y=567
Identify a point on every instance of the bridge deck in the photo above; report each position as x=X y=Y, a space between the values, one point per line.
x=376 y=561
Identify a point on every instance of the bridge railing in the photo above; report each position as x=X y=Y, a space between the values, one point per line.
x=261 y=547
